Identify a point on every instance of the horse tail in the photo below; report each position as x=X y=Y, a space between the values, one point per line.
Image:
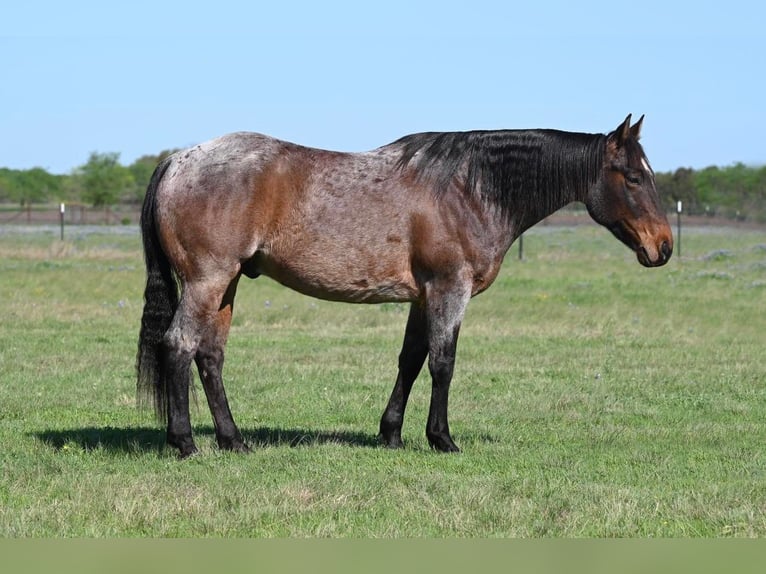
x=160 y=303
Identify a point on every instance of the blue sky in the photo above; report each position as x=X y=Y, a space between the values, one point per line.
x=140 y=77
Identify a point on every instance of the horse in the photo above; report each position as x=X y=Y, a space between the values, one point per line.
x=425 y=220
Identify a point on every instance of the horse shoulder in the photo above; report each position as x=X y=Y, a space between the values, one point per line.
x=458 y=240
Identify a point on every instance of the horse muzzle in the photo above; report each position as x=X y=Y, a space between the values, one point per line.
x=653 y=247
x=652 y=255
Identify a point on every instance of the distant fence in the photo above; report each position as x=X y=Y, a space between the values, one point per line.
x=80 y=214
x=74 y=214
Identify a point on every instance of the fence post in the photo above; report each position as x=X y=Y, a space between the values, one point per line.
x=679 y=208
x=61 y=218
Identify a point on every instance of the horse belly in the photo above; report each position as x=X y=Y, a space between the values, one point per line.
x=349 y=273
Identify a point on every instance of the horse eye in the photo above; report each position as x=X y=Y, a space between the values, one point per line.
x=633 y=179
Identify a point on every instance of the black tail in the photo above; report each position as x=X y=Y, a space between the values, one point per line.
x=160 y=303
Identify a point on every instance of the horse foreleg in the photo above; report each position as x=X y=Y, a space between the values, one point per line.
x=209 y=359
x=445 y=314
x=411 y=359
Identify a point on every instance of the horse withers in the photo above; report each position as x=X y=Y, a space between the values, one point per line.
x=426 y=219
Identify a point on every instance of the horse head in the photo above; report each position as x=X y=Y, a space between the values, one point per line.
x=625 y=199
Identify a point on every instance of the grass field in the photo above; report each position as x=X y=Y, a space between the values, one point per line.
x=592 y=398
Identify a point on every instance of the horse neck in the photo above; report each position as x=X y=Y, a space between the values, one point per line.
x=541 y=171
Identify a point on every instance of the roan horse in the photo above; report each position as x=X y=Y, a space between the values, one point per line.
x=426 y=219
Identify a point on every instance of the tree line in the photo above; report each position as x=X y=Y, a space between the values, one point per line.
x=737 y=191
x=101 y=181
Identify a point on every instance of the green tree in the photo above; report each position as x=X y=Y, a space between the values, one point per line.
x=29 y=186
x=103 y=180
x=141 y=170
x=707 y=184
x=39 y=185
x=5 y=185
x=678 y=186
x=736 y=191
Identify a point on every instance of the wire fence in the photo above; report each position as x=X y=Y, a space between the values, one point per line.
x=74 y=214
x=81 y=214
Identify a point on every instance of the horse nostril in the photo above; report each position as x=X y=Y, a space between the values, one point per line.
x=666 y=250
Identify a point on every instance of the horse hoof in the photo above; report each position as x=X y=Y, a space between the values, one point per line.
x=187 y=452
x=242 y=448
x=443 y=444
x=393 y=442
x=184 y=444
x=234 y=445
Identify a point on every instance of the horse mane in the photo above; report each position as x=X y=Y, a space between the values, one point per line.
x=522 y=172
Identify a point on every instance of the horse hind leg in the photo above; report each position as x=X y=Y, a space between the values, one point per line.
x=198 y=332
x=180 y=344
x=209 y=359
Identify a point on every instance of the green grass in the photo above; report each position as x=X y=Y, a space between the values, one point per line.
x=592 y=397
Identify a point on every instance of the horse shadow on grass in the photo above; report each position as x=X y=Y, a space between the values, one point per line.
x=149 y=439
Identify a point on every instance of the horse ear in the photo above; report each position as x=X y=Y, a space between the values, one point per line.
x=623 y=131
x=635 y=130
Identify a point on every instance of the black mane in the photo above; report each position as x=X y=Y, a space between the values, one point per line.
x=522 y=172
